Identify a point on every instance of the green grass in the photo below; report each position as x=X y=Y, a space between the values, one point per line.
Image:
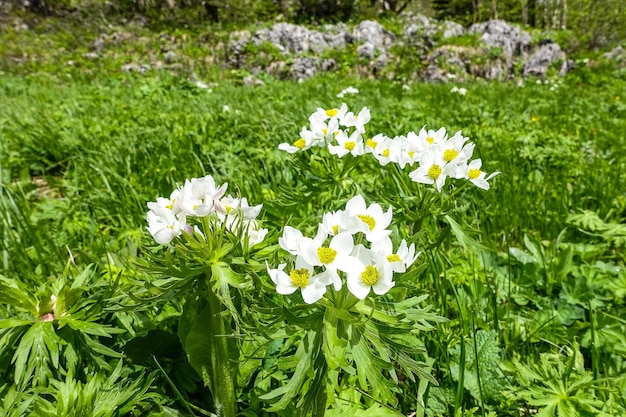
x=534 y=296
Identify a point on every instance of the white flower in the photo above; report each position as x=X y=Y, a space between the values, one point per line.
x=226 y=108
x=473 y=173
x=290 y=240
x=254 y=234
x=199 y=194
x=335 y=256
x=376 y=274
x=402 y=259
x=302 y=276
x=230 y=204
x=348 y=90
x=432 y=170
x=406 y=87
x=369 y=220
x=306 y=140
x=335 y=222
x=322 y=115
x=165 y=226
x=454 y=151
x=357 y=121
x=461 y=91
x=347 y=145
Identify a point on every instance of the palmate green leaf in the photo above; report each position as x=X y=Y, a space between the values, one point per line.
x=308 y=348
x=33 y=355
x=12 y=294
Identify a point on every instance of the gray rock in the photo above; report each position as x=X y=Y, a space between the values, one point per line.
x=539 y=62
x=367 y=50
x=236 y=49
x=374 y=33
x=459 y=63
x=451 y=29
x=142 y=68
x=170 y=57
x=98 y=44
x=618 y=54
x=337 y=36
x=252 y=81
x=304 y=67
x=497 y=33
x=291 y=39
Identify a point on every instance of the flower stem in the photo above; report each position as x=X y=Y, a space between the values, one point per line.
x=223 y=378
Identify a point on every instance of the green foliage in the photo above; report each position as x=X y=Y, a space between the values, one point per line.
x=537 y=262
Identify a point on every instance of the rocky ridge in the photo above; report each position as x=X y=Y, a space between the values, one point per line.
x=498 y=50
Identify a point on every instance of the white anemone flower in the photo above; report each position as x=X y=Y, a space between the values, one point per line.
x=199 y=195
x=347 y=145
x=402 y=259
x=254 y=234
x=376 y=274
x=346 y=91
x=165 y=226
x=306 y=140
x=230 y=204
x=432 y=170
x=357 y=121
x=321 y=115
x=290 y=240
x=455 y=151
x=302 y=277
x=335 y=222
x=371 y=221
x=426 y=138
x=336 y=256
x=473 y=173
x=409 y=149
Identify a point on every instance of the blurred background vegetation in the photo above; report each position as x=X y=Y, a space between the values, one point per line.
x=593 y=23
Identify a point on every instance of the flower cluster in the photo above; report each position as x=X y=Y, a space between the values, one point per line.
x=202 y=198
x=435 y=155
x=320 y=260
x=342 y=131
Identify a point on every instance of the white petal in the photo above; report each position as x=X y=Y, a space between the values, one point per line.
x=313 y=292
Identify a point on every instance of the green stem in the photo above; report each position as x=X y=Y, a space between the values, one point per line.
x=223 y=379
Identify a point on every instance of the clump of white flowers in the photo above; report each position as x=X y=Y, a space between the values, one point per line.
x=351 y=244
x=346 y=91
x=434 y=155
x=201 y=198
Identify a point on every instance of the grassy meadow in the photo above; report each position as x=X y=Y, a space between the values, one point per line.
x=530 y=275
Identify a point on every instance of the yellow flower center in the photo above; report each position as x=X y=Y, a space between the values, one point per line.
x=386 y=153
x=299 y=277
x=169 y=226
x=335 y=229
x=450 y=154
x=370 y=275
x=332 y=112
x=434 y=171
x=430 y=140
x=326 y=255
x=394 y=258
x=411 y=153
x=325 y=131
x=533 y=119
x=371 y=143
x=368 y=220
x=300 y=143
x=349 y=145
x=473 y=174
x=228 y=209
